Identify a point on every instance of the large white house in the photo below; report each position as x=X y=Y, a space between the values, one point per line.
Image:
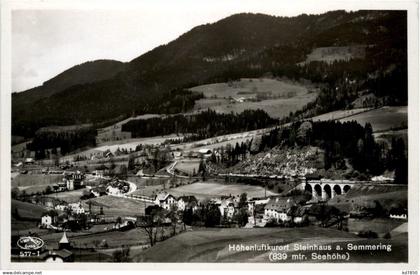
x=277 y=209
x=165 y=200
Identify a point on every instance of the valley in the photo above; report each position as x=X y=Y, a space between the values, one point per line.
x=245 y=131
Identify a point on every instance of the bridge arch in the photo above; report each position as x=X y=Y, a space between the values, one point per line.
x=308 y=188
x=318 y=190
x=346 y=188
x=337 y=189
x=327 y=190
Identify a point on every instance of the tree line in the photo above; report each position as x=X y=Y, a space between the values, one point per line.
x=341 y=141
x=204 y=125
x=66 y=141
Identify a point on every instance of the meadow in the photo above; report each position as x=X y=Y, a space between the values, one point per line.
x=212 y=245
x=33 y=183
x=277 y=97
x=331 y=54
x=339 y=114
x=382 y=119
x=188 y=166
x=68 y=196
x=117 y=206
x=207 y=190
x=27 y=210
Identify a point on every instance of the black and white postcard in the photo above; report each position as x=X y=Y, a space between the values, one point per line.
x=266 y=133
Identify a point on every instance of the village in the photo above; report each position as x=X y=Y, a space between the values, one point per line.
x=164 y=211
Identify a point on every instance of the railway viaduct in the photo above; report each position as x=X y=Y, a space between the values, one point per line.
x=325 y=189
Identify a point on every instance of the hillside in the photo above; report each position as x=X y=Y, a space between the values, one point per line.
x=87 y=72
x=212 y=245
x=277 y=97
x=242 y=45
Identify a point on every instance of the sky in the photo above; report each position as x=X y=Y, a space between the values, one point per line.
x=47 y=41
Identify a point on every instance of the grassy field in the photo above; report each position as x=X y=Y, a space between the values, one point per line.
x=331 y=54
x=26 y=180
x=68 y=196
x=188 y=166
x=379 y=226
x=122 y=144
x=33 y=183
x=276 y=108
x=363 y=197
x=150 y=186
x=212 y=245
x=98 y=233
x=383 y=118
x=277 y=97
x=118 y=206
x=203 y=190
x=27 y=210
x=339 y=114
x=150 y=190
x=251 y=86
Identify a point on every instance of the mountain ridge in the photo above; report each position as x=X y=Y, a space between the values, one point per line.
x=241 y=45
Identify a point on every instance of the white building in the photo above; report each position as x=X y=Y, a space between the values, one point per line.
x=165 y=200
x=46 y=220
x=113 y=190
x=76 y=208
x=277 y=209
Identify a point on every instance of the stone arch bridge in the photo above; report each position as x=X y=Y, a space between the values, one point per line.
x=327 y=189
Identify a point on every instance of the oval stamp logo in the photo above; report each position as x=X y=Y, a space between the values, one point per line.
x=30 y=243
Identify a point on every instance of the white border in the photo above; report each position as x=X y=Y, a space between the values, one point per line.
x=306 y=6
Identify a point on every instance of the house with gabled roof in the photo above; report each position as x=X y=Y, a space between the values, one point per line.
x=165 y=200
x=187 y=202
x=278 y=209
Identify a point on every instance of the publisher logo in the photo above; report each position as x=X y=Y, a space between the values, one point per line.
x=30 y=243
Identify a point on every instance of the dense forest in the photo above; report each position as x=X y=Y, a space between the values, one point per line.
x=65 y=141
x=203 y=125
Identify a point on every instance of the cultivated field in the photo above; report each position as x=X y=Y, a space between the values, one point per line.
x=277 y=97
x=276 y=108
x=118 y=206
x=68 y=196
x=203 y=190
x=33 y=183
x=188 y=166
x=212 y=245
x=149 y=191
x=383 y=118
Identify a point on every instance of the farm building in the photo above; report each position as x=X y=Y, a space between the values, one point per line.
x=165 y=200
x=187 y=202
x=278 y=209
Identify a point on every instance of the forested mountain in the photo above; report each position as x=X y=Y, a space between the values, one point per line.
x=242 y=45
x=88 y=72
